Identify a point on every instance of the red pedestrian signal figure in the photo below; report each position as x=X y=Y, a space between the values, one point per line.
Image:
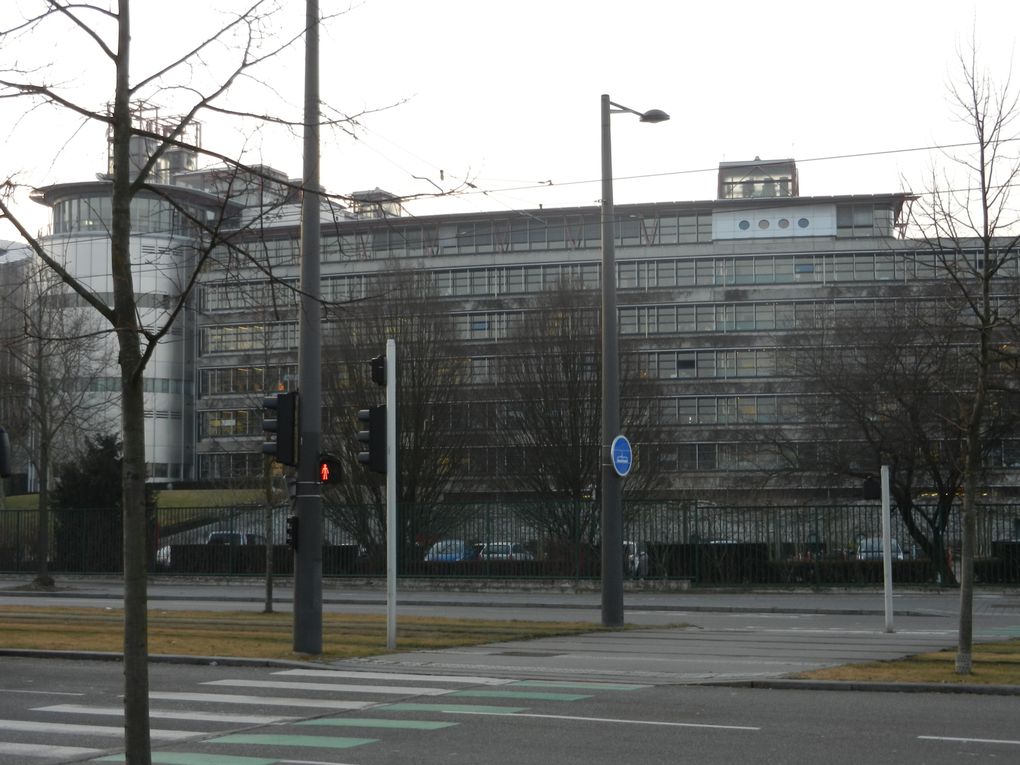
x=329 y=469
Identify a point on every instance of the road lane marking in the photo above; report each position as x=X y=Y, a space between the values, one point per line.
x=624 y=722
x=42 y=750
x=316 y=742
x=328 y=673
x=394 y=689
x=167 y=714
x=193 y=758
x=27 y=726
x=40 y=693
x=477 y=709
x=272 y=701
x=962 y=740
x=579 y=685
x=377 y=722
x=519 y=695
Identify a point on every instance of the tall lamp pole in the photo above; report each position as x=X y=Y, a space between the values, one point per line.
x=308 y=504
x=612 y=512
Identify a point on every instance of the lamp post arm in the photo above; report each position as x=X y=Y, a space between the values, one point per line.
x=620 y=108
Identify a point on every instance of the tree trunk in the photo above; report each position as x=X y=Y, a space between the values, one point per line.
x=267 y=485
x=136 y=640
x=972 y=474
x=42 y=535
x=965 y=642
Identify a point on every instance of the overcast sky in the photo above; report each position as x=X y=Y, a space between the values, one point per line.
x=506 y=95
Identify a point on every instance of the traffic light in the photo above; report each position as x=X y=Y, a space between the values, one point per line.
x=374 y=458
x=280 y=418
x=329 y=469
x=379 y=370
x=292 y=531
x=872 y=488
x=5 y=454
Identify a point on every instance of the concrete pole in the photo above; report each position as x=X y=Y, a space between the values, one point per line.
x=392 y=434
x=308 y=556
x=887 y=550
x=612 y=513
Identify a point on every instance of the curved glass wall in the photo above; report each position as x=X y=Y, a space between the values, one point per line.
x=149 y=215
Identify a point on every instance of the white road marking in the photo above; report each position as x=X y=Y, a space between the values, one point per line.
x=166 y=714
x=622 y=722
x=269 y=701
x=40 y=693
x=27 y=726
x=392 y=689
x=328 y=673
x=43 y=750
x=961 y=740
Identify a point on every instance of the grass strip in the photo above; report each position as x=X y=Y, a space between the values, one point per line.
x=256 y=635
x=993 y=664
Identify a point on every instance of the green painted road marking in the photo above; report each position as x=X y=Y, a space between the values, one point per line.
x=476 y=709
x=520 y=695
x=323 y=742
x=375 y=722
x=579 y=686
x=190 y=758
x=1010 y=631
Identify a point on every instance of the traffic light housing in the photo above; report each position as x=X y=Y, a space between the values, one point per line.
x=5 y=454
x=872 y=488
x=379 y=370
x=280 y=417
x=329 y=469
x=292 y=531
x=374 y=437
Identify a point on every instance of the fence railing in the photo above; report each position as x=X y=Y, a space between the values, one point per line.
x=708 y=545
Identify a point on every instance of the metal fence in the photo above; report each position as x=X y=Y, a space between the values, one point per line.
x=708 y=545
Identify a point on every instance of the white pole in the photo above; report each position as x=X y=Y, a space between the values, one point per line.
x=887 y=550
x=391 y=494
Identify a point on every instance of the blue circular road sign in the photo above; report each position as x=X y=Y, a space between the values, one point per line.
x=622 y=455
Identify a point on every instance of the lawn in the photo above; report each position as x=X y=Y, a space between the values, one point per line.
x=993 y=664
x=258 y=635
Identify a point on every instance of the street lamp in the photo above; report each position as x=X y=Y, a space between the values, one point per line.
x=612 y=514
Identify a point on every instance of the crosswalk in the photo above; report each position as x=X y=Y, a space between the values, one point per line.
x=281 y=718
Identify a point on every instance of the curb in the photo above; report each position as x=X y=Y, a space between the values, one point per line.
x=428 y=603
x=778 y=684
x=874 y=687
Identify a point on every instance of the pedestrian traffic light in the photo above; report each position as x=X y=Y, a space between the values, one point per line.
x=374 y=457
x=379 y=370
x=329 y=469
x=5 y=454
x=292 y=531
x=280 y=417
x=872 y=488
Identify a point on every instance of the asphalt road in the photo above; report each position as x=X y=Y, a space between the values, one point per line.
x=704 y=682
x=54 y=711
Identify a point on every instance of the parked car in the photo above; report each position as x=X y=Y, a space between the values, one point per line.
x=451 y=550
x=214 y=538
x=635 y=560
x=870 y=548
x=234 y=538
x=504 y=551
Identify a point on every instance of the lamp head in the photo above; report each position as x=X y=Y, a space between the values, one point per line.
x=654 y=115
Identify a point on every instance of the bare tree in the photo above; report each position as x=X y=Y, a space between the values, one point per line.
x=61 y=353
x=968 y=220
x=108 y=28
x=430 y=372
x=879 y=385
x=548 y=417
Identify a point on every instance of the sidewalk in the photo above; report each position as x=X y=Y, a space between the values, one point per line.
x=690 y=637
